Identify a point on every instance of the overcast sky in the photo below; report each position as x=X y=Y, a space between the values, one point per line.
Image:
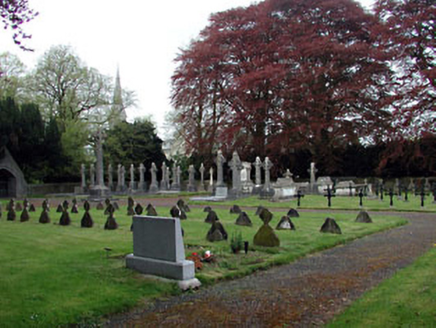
x=142 y=37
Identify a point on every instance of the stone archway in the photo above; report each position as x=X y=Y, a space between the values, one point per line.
x=12 y=182
x=8 y=184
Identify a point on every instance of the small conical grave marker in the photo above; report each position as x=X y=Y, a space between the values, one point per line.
x=360 y=198
x=299 y=196
x=329 y=196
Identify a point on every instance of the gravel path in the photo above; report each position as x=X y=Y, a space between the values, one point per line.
x=306 y=293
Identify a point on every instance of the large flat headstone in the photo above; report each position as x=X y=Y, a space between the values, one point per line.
x=158 y=248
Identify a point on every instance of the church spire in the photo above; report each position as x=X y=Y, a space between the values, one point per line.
x=117 y=102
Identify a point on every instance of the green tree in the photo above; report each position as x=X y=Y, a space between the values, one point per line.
x=133 y=143
x=12 y=76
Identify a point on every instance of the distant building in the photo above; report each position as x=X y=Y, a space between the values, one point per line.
x=12 y=182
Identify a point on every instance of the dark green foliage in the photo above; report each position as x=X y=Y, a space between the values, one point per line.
x=34 y=145
x=133 y=143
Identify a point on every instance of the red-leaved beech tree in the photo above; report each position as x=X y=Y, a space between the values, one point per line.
x=281 y=75
x=409 y=37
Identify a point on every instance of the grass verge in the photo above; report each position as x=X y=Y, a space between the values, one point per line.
x=53 y=275
x=405 y=300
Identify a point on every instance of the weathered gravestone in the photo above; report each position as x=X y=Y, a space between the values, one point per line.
x=65 y=219
x=59 y=209
x=24 y=215
x=177 y=212
x=331 y=226
x=158 y=250
x=44 y=217
x=211 y=217
x=183 y=206
x=74 y=209
x=138 y=209
x=243 y=220
x=285 y=223
x=32 y=208
x=11 y=214
x=293 y=213
x=100 y=206
x=216 y=232
x=266 y=236
x=235 y=209
x=111 y=223
x=86 y=221
x=151 y=211
x=363 y=217
x=207 y=209
x=18 y=207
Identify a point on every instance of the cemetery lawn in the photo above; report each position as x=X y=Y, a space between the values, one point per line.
x=338 y=203
x=53 y=275
x=405 y=300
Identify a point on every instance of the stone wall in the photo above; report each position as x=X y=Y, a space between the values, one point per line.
x=52 y=188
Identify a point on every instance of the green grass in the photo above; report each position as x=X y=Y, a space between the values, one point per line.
x=339 y=203
x=405 y=300
x=53 y=275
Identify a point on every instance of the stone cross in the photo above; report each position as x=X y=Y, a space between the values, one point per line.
x=99 y=155
x=168 y=178
x=92 y=175
x=119 y=178
x=176 y=183
x=110 y=181
x=258 y=165
x=164 y=179
x=153 y=186
x=132 y=176
x=329 y=196
x=312 y=172
x=360 y=197
x=236 y=166
x=210 y=188
x=141 y=177
x=299 y=196
x=191 y=181
x=123 y=177
x=267 y=165
x=83 y=171
x=220 y=160
x=178 y=175
x=201 y=188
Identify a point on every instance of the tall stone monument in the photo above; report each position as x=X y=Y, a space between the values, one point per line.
x=163 y=182
x=258 y=176
x=153 y=185
x=191 y=182
x=236 y=167
x=201 y=187
x=267 y=190
x=141 y=185
x=99 y=190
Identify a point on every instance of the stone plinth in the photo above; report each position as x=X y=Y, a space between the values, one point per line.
x=158 y=249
